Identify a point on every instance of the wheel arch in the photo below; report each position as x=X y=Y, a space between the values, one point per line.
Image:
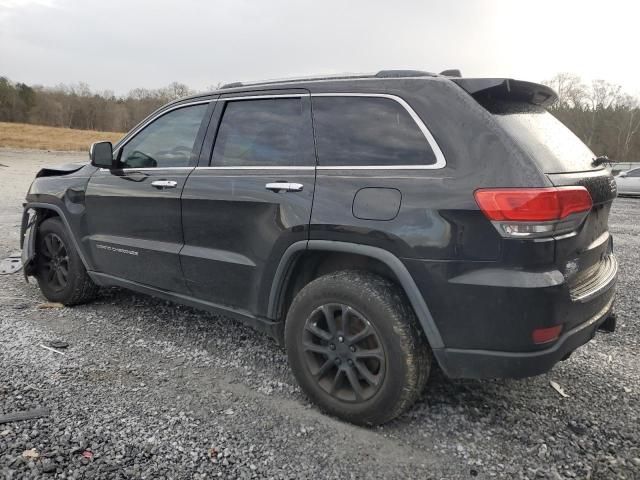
x=285 y=278
x=44 y=211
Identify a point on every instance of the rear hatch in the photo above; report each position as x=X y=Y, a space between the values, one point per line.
x=583 y=255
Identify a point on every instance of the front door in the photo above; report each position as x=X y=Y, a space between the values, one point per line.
x=133 y=212
x=251 y=199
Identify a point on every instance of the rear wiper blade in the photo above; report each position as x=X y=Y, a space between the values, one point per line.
x=600 y=160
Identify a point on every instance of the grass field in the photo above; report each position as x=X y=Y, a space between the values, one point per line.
x=22 y=135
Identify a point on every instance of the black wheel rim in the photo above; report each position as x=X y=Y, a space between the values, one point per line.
x=54 y=264
x=344 y=353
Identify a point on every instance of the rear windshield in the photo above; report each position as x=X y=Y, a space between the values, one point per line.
x=553 y=146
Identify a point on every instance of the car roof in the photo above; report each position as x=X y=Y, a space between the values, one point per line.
x=385 y=79
x=352 y=80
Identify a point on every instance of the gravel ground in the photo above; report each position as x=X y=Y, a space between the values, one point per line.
x=148 y=389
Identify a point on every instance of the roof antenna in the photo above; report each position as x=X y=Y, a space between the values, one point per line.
x=451 y=73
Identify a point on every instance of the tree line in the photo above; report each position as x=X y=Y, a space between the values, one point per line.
x=77 y=106
x=600 y=113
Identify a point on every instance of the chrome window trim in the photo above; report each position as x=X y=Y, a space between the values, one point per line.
x=440 y=160
x=147 y=169
x=260 y=97
x=381 y=167
x=272 y=167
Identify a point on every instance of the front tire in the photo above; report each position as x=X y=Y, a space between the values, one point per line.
x=61 y=275
x=355 y=347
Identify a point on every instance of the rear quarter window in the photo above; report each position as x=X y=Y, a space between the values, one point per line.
x=367 y=131
x=554 y=147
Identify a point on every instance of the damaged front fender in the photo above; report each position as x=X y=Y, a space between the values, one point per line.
x=28 y=241
x=57 y=170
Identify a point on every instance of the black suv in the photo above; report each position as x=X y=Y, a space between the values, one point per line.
x=374 y=225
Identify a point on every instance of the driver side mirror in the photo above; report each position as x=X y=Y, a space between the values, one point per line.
x=101 y=155
x=622 y=174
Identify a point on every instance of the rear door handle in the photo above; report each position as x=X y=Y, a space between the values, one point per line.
x=284 y=187
x=164 y=184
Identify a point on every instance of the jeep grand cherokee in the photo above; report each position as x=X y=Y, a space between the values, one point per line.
x=375 y=225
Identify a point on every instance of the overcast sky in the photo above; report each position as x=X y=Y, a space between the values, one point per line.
x=123 y=44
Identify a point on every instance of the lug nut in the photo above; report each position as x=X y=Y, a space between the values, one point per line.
x=341 y=339
x=338 y=361
x=351 y=363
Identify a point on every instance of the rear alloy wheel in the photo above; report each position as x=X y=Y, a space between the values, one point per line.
x=61 y=275
x=344 y=353
x=355 y=347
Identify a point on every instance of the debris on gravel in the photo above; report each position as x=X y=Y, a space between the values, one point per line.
x=26 y=415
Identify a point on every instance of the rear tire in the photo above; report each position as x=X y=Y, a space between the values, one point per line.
x=60 y=273
x=355 y=347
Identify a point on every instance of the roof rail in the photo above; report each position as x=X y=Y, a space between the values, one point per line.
x=403 y=73
x=232 y=85
x=380 y=74
x=297 y=80
x=454 y=72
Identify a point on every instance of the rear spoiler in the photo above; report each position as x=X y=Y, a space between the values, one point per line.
x=507 y=89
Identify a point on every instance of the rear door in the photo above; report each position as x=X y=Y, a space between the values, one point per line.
x=250 y=197
x=133 y=213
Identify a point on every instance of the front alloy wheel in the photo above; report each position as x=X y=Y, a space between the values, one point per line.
x=55 y=262
x=59 y=269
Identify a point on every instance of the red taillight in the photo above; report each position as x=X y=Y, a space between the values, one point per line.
x=546 y=335
x=532 y=204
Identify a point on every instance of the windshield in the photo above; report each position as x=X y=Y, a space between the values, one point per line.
x=553 y=146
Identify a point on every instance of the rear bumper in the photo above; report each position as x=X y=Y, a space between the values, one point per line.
x=463 y=363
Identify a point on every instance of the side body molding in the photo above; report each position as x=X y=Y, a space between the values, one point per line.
x=397 y=267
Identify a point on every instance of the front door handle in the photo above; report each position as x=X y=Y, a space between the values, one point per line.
x=284 y=187
x=160 y=184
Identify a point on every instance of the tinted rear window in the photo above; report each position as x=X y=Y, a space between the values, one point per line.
x=553 y=146
x=367 y=131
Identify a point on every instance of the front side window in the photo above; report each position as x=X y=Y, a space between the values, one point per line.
x=367 y=131
x=634 y=173
x=264 y=132
x=166 y=142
